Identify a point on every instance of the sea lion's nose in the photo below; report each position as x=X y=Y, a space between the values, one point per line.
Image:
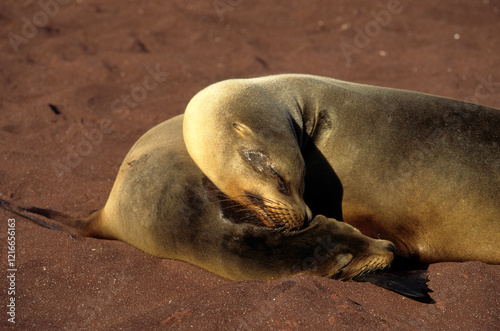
x=391 y=248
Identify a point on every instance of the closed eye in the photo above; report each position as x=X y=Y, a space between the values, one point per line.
x=281 y=186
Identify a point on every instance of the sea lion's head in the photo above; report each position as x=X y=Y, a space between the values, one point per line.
x=343 y=252
x=246 y=144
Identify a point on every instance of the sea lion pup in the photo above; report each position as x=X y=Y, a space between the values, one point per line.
x=162 y=204
x=419 y=170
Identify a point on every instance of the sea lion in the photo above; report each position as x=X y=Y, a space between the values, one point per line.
x=164 y=205
x=419 y=170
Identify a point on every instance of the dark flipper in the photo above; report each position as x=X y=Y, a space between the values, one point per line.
x=32 y=214
x=411 y=284
x=53 y=220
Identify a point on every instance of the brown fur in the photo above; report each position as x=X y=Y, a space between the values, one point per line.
x=419 y=170
x=163 y=204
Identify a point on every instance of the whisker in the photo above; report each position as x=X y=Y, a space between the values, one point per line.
x=272 y=212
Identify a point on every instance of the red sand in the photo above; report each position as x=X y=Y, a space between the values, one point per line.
x=92 y=60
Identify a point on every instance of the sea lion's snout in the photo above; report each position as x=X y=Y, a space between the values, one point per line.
x=384 y=247
x=391 y=248
x=297 y=217
x=276 y=213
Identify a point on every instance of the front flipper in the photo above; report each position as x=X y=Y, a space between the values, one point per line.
x=411 y=284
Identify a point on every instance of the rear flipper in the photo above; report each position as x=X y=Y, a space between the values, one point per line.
x=52 y=219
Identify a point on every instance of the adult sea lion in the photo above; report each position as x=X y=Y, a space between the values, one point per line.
x=163 y=204
x=419 y=170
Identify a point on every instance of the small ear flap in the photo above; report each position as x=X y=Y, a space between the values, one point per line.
x=242 y=129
